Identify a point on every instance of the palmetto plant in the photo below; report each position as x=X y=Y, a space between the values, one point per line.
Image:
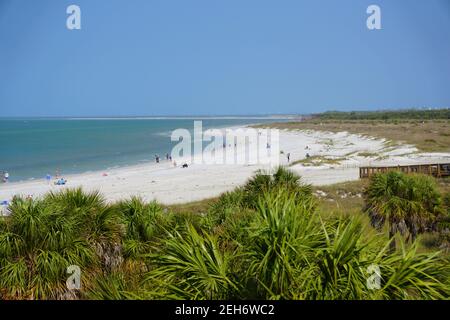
x=143 y=223
x=143 y=220
x=42 y=238
x=227 y=204
x=264 y=241
x=342 y=269
x=117 y=286
x=289 y=180
x=338 y=268
x=190 y=265
x=293 y=254
x=411 y=275
x=281 y=178
x=281 y=241
x=36 y=248
x=409 y=204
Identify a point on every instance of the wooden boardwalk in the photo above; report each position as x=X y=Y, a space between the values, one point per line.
x=437 y=170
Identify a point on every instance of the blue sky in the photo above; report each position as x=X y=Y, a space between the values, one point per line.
x=213 y=57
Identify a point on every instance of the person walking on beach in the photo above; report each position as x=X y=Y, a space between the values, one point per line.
x=157 y=158
x=6 y=177
x=48 y=177
x=288 y=156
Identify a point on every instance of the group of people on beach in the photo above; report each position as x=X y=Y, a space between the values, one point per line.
x=288 y=155
x=169 y=158
x=48 y=177
x=60 y=181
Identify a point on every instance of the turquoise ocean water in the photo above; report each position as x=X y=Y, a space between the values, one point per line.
x=32 y=148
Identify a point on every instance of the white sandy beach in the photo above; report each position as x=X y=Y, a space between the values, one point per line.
x=169 y=185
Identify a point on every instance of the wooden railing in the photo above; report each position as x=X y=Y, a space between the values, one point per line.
x=437 y=169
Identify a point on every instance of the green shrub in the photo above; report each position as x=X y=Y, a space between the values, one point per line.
x=282 y=178
x=262 y=241
x=409 y=204
x=190 y=265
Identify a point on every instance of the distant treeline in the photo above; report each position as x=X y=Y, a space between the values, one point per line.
x=385 y=115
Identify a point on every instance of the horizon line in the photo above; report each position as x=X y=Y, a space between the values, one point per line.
x=268 y=116
x=220 y=116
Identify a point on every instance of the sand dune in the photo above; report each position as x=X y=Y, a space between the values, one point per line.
x=334 y=158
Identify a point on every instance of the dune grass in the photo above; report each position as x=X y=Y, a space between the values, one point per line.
x=318 y=161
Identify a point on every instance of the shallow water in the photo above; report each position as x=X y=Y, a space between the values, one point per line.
x=33 y=148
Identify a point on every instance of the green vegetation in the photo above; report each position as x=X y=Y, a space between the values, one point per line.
x=409 y=204
x=272 y=238
x=367 y=154
x=42 y=238
x=428 y=130
x=417 y=114
x=427 y=135
x=318 y=161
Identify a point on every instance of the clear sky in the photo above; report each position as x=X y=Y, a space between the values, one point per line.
x=213 y=57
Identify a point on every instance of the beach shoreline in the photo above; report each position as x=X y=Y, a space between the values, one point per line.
x=336 y=158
